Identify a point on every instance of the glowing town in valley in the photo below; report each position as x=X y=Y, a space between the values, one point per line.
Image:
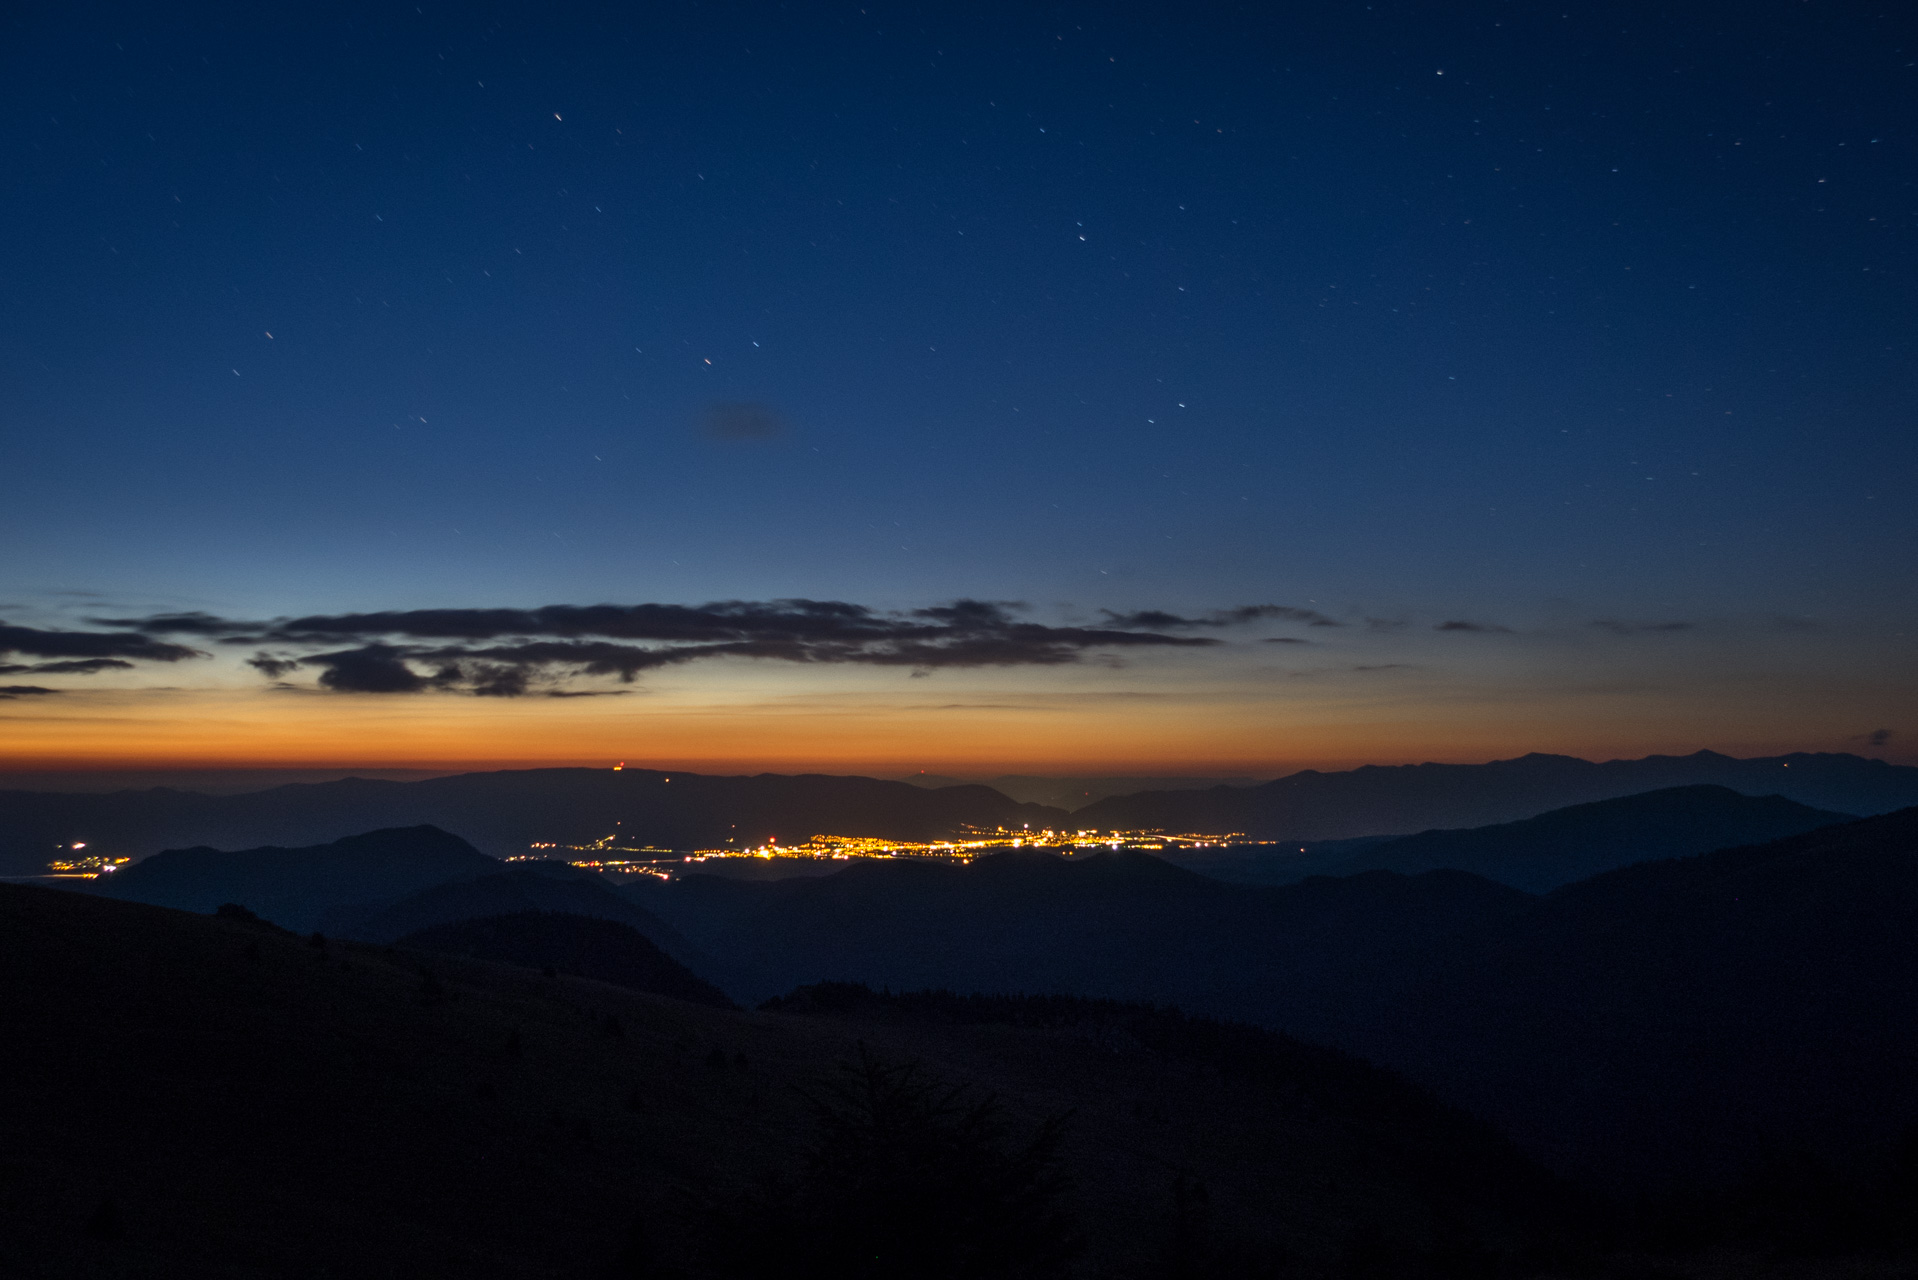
x=607 y=854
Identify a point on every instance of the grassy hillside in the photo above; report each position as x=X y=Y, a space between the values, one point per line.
x=214 y=1097
x=580 y=946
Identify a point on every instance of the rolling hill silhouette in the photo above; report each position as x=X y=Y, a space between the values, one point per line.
x=1682 y=1017
x=582 y=946
x=1117 y=925
x=295 y=888
x=511 y=890
x=1542 y=853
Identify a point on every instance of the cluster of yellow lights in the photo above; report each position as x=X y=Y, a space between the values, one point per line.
x=646 y=863
x=87 y=867
x=969 y=844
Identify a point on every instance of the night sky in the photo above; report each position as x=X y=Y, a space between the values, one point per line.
x=1215 y=389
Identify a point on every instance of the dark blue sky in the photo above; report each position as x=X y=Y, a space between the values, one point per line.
x=1533 y=316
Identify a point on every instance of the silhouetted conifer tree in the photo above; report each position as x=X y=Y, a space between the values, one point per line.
x=637 y=1259
x=907 y=1178
x=1186 y=1255
x=104 y=1222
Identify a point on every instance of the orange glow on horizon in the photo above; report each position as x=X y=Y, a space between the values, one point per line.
x=1216 y=721
x=1198 y=734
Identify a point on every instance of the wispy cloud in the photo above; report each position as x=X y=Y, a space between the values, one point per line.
x=1618 y=628
x=741 y=420
x=1238 y=616
x=66 y=667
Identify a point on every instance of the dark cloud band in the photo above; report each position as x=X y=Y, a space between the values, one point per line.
x=10 y=691
x=96 y=647
x=511 y=652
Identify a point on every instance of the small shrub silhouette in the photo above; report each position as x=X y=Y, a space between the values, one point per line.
x=637 y=1259
x=104 y=1222
x=1186 y=1247
x=908 y=1177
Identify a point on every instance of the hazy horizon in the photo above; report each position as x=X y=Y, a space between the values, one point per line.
x=228 y=781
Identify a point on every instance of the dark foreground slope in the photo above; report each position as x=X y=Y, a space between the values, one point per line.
x=210 y=1097
x=1553 y=849
x=581 y=946
x=1379 y=800
x=503 y=813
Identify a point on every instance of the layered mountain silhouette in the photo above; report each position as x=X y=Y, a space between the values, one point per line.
x=295 y=888
x=582 y=946
x=1542 y=853
x=511 y=890
x=1682 y=1016
x=1117 y=925
x=1396 y=799
x=504 y=813
x=1678 y=1018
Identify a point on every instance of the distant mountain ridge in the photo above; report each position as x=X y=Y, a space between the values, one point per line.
x=1072 y=791
x=295 y=887
x=1542 y=853
x=1398 y=799
x=504 y=813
